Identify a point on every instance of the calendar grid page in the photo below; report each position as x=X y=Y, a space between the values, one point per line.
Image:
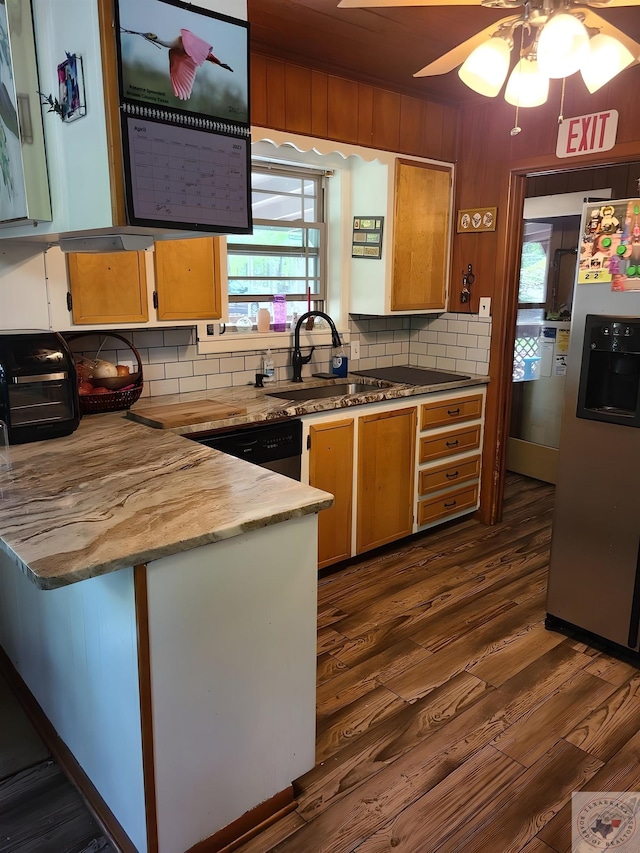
x=187 y=175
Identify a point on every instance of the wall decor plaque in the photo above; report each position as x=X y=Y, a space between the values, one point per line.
x=477 y=219
x=366 y=241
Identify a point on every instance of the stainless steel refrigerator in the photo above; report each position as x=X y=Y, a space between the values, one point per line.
x=594 y=576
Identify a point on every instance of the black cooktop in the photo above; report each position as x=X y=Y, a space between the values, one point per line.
x=411 y=375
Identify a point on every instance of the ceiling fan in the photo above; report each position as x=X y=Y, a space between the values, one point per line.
x=556 y=38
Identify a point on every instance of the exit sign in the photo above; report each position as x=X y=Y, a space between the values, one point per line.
x=587 y=134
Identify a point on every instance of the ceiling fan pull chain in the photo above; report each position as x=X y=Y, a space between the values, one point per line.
x=561 y=116
x=516 y=129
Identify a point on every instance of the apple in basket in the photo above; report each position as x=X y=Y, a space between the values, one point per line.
x=100 y=389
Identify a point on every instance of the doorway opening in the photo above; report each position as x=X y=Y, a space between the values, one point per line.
x=547 y=264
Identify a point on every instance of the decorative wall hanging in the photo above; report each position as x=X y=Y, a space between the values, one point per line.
x=70 y=103
x=477 y=219
x=366 y=241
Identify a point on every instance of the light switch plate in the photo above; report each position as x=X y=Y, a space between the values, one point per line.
x=485 y=306
x=355 y=350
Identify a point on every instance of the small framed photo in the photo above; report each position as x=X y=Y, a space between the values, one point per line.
x=71 y=88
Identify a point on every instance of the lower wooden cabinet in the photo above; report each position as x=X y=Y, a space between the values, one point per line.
x=444 y=444
x=439 y=477
x=449 y=460
x=450 y=503
x=331 y=469
x=391 y=470
x=386 y=454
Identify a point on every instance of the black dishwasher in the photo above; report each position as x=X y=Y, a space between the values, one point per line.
x=276 y=446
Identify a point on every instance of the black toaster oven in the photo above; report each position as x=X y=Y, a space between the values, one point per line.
x=38 y=386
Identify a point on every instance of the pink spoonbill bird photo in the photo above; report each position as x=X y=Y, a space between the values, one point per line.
x=187 y=52
x=186 y=58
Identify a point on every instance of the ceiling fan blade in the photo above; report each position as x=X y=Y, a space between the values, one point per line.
x=449 y=61
x=593 y=20
x=370 y=4
x=611 y=4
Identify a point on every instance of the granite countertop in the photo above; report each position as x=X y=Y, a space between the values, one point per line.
x=260 y=407
x=116 y=493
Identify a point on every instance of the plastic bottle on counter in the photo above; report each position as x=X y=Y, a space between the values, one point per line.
x=268 y=367
x=339 y=362
x=279 y=313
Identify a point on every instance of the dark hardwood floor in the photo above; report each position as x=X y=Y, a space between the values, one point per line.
x=40 y=810
x=449 y=719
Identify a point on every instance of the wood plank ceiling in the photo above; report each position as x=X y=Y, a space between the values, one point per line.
x=383 y=46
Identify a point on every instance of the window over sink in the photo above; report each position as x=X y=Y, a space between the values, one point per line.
x=280 y=268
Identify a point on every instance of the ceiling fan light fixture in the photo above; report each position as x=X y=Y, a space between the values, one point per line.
x=563 y=46
x=527 y=86
x=485 y=69
x=607 y=57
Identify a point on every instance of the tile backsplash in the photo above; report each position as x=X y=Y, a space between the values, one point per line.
x=171 y=363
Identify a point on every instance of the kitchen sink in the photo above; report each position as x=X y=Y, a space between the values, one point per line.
x=323 y=391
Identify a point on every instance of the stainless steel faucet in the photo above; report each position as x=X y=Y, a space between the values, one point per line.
x=297 y=359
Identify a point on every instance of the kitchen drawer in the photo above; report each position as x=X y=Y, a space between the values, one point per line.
x=448 y=443
x=445 y=476
x=436 y=509
x=450 y=411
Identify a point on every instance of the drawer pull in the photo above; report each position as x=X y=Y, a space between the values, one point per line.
x=452 y=504
x=453 y=443
x=452 y=476
x=454 y=412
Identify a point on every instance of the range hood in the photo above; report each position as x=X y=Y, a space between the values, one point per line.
x=106 y=243
x=85 y=158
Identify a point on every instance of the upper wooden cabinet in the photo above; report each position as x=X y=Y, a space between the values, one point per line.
x=108 y=288
x=410 y=275
x=117 y=287
x=188 y=279
x=420 y=236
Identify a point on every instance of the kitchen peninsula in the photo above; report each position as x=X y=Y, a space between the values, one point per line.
x=158 y=599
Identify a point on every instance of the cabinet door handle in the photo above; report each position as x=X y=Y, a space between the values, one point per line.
x=452 y=504
x=452 y=443
x=454 y=412
x=452 y=476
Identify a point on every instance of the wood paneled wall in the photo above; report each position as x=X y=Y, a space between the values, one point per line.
x=290 y=97
x=490 y=163
x=490 y=170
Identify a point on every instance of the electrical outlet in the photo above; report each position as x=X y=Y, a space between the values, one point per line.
x=355 y=350
x=485 y=307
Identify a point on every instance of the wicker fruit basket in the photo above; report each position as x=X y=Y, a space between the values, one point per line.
x=122 y=391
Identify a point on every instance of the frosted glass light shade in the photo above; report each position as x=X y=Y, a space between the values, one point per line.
x=485 y=69
x=563 y=46
x=527 y=87
x=607 y=57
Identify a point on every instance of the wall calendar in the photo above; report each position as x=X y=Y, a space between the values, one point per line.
x=184 y=106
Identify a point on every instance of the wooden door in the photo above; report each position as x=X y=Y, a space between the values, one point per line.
x=108 y=288
x=188 y=279
x=386 y=459
x=420 y=236
x=331 y=469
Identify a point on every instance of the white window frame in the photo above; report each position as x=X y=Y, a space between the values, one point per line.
x=318 y=224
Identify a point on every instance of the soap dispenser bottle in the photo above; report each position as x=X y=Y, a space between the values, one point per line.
x=268 y=368
x=339 y=362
